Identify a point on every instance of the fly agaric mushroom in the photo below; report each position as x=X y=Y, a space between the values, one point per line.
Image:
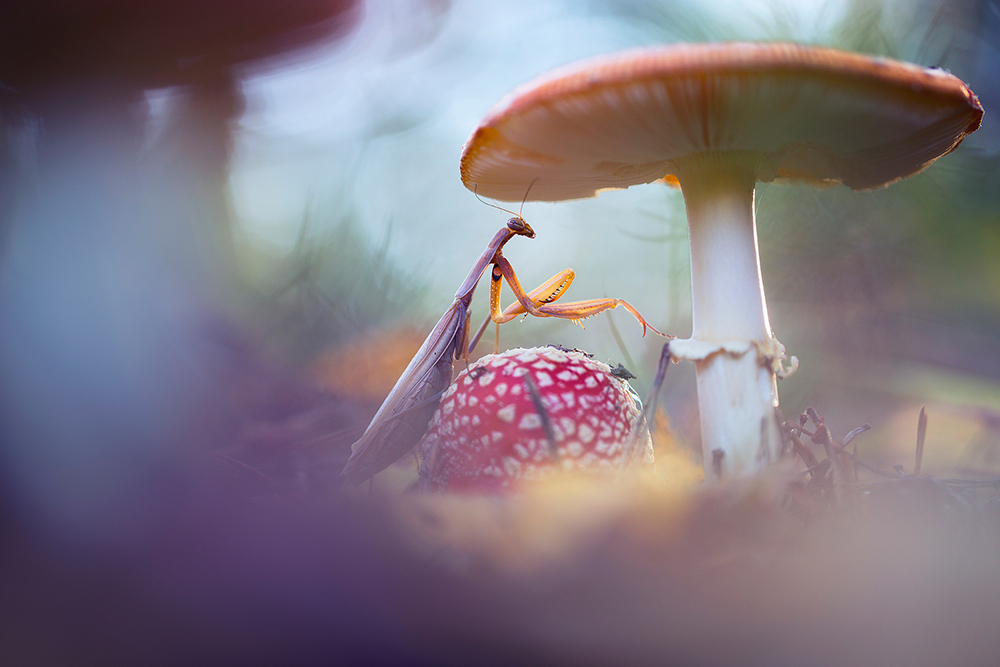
x=525 y=413
x=715 y=119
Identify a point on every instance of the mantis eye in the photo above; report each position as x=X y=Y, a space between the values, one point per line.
x=519 y=226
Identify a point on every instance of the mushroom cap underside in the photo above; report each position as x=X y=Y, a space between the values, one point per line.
x=155 y=43
x=803 y=113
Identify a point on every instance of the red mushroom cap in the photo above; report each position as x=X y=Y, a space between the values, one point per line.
x=804 y=113
x=488 y=433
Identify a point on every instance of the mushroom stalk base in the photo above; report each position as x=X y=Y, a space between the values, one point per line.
x=737 y=395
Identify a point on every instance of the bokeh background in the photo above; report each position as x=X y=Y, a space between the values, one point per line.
x=225 y=227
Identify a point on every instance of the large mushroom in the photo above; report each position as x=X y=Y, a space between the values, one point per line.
x=715 y=119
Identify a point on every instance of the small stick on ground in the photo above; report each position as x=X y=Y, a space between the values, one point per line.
x=847 y=440
x=921 y=434
x=852 y=435
x=620 y=342
x=428 y=467
x=717 y=456
x=871 y=468
x=803 y=452
x=649 y=407
x=825 y=438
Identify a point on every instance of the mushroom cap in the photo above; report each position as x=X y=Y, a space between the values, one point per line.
x=804 y=113
x=488 y=435
x=152 y=43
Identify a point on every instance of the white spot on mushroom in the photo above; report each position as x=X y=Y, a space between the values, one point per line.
x=511 y=465
x=590 y=382
x=585 y=433
x=507 y=413
x=486 y=378
x=568 y=398
x=500 y=389
x=447 y=407
x=475 y=420
x=521 y=451
x=527 y=357
x=574 y=449
x=565 y=376
x=544 y=365
x=594 y=421
x=543 y=379
x=568 y=426
x=516 y=390
x=465 y=420
x=530 y=421
x=461 y=398
x=490 y=400
x=496 y=436
x=473 y=401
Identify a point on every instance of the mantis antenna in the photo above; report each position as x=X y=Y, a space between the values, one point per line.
x=475 y=191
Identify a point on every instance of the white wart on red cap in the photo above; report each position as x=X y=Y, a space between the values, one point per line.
x=487 y=434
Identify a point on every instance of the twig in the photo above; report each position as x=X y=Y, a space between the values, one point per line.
x=826 y=439
x=853 y=434
x=717 y=456
x=642 y=424
x=620 y=341
x=871 y=468
x=921 y=434
x=250 y=473
x=822 y=436
x=799 y=448
x=807 y=433
x=425 y=474
x=974 y=483
x=543 y=414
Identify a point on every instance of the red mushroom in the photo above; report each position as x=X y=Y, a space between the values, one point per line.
x=526 y=413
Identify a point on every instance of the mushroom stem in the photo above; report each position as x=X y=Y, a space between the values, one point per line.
x=737 y=394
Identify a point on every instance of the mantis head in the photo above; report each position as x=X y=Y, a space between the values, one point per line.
x=519 y=226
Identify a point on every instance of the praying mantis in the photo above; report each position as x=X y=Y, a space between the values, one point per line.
x=403 y=418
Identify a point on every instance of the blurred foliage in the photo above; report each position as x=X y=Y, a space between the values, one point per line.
x=332 y=287
x=368 y=366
